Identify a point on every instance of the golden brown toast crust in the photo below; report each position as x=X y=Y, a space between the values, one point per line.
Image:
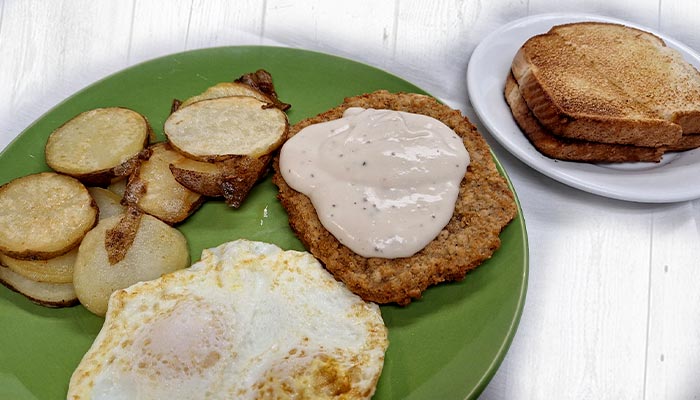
x=570 y=149
x=485 y=205
x=687 y=142
x=644 y=68
x=579 y=91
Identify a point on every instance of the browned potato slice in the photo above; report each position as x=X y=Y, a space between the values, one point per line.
x=201 y=177
x=54 y=270
x=118 y=187
x=153 y=189
x=43 y=293
x=218 y=129
x=226 y=89
x=233 y=178
x=261 y=81
x=108 y=202
x=44 y=215
x=155 y=249
x=99 y=145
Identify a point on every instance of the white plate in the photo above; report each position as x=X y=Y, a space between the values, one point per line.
x=671 y=180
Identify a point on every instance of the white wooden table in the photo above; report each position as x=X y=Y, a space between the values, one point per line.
x=613 y=306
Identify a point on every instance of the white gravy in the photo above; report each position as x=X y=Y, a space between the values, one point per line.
x=383 y=182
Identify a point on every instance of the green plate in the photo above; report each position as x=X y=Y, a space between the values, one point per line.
x=447 y=345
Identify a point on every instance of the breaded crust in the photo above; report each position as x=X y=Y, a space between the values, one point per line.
x=485 y=205
x=569 y=149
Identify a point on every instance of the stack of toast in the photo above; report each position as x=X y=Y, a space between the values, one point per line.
x=602 y=92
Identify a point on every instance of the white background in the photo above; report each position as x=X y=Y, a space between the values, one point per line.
x=613 y=306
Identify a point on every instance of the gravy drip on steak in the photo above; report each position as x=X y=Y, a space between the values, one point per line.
x=383 y=182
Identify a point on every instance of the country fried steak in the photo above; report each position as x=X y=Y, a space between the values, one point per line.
x=485 y=205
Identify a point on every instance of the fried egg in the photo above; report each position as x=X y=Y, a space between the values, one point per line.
x=247 y=321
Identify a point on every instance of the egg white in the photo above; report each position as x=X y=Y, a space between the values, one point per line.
x=247 y=321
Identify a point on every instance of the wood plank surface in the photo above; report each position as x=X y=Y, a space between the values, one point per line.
x=363 y=29
x=645 y=12
x=673 y=348
x=680 y=20
x=157 y=30
x=222 y=23
x=51 y=50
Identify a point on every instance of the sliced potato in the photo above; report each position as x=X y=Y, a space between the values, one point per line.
x=54 y=270
x=226 y=89
x=218 y=129
x=261 y=81
x=108 y=202
x=44 y=215
x=156 y=249
x=201 y=177
x=153 y=189
x=233 y=178
x=43 y=293
x=99 y=145
x=118 y=187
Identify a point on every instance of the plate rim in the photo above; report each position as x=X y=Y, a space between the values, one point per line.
x=575 y=177
x=522 y=297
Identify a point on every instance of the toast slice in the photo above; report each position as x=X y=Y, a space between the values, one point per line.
x=645 y=68
x=570 y=149
x=587 y=81
x=687 y=142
